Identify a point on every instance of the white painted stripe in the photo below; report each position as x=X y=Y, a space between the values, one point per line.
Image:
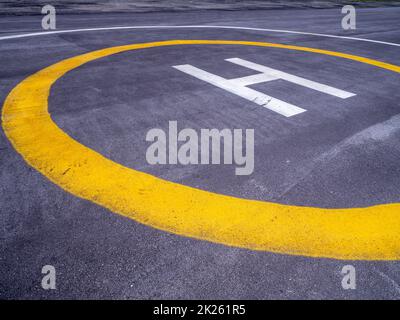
x=292 y=78
x=44 y=33
x=253 y=79
x=279 y=106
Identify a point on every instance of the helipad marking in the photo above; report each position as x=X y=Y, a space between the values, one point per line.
x=292 y=78
x=371 y=233
x=253 y=79
x=238 y=86
x=279 y=106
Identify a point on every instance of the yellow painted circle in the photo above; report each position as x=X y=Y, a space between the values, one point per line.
x=371 y=233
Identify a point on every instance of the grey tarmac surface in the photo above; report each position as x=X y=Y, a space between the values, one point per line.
x=340 y=153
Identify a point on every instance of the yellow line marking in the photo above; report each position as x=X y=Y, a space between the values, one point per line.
x=371 y=233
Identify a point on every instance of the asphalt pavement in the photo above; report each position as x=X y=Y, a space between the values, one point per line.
x=340 y=153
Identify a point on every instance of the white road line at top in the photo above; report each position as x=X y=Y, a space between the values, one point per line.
x=292 y=78
x=253 y=79
x=279 y=106
x=44 y=33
